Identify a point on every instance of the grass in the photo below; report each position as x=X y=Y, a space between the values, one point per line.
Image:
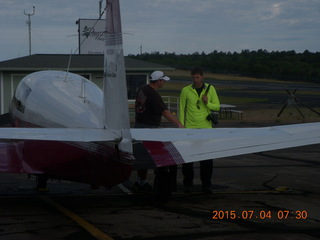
x=289 y=116
x=241 y=100
x=174 y=88
x=256 y=110
x=186 y=74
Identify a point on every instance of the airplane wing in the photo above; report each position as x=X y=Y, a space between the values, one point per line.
x=59 y=134
x=170 y=146
x=176 y=146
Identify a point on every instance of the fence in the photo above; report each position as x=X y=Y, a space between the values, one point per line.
x=171 y=102
x=173 y=106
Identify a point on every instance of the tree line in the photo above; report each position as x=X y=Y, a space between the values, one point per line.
x=282 y=65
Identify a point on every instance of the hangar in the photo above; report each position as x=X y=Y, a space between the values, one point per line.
x=87 y=65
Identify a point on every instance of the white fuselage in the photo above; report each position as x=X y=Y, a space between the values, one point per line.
x=58 y=99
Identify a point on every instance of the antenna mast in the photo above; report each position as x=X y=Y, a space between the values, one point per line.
x=100 y=8
x=29 y=25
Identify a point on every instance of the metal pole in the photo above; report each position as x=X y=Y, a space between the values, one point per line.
x=100 y=7
x=29 y=26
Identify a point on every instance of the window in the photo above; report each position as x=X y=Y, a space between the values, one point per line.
x=20 y=98
x=133 y=84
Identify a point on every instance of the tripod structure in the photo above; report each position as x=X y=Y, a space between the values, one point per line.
x=292 y=100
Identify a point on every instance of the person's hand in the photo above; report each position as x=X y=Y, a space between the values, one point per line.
x=205 y=99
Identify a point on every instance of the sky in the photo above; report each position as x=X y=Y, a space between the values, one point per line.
x=180 y=26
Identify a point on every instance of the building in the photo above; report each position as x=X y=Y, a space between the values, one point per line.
x=87 y=65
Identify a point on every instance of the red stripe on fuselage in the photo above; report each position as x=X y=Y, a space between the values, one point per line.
x=163 y=153
x=64 y=161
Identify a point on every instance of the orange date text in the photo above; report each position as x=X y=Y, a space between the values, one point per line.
x=261 y=214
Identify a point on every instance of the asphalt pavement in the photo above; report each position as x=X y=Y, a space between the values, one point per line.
x=268 y=195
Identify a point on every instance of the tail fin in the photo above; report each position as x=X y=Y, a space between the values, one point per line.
x=116 y=112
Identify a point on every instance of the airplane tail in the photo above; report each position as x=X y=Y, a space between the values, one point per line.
x=116 y=111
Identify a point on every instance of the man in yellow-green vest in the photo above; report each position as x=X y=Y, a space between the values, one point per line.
x=196 y=102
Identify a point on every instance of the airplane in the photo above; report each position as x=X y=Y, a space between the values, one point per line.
x=63 y=126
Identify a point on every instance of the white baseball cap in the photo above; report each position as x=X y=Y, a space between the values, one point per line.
x=158 y=75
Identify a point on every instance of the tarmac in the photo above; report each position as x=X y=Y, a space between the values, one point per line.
x=268 y=195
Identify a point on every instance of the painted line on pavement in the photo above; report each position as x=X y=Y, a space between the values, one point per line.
x=95 y=232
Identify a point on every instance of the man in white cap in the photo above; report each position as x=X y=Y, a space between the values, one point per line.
x=149 y=108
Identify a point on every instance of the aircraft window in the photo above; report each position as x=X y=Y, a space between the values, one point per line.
x=20 y=98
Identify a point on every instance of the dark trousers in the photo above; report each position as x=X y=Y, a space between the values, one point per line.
x=171 y=173
x=206 y=167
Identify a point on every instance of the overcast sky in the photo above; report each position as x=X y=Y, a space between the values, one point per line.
x=180 y=26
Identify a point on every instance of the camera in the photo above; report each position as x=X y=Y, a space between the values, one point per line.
x=213 y=117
